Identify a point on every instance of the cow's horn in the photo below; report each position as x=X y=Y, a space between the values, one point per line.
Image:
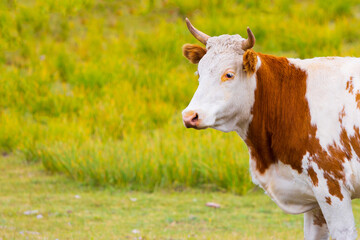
x=202 y=37
x=250 y=42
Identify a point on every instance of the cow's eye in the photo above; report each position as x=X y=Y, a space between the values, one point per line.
x=228 y=75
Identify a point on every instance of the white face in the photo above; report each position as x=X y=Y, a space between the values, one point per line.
x=225 y=94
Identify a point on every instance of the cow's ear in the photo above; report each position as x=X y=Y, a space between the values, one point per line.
x=193 y=52
x=249 y=61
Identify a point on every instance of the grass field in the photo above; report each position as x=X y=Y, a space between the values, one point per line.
x=92 y=91
x=94 y=88
x=70 y=210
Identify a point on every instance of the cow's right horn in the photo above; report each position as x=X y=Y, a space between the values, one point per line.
x=202 y=37
x=250 y=41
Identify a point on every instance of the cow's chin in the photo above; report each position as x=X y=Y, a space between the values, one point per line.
x=199 y=127
x=222 y=128
x=219 y=127
x=202 y=125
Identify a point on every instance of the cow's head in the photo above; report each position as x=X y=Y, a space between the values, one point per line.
x=227 y=81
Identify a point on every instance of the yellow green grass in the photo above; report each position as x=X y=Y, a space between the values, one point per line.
x=94 y=89
x=70 y=210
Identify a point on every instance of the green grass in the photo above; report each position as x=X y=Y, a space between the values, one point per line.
x=108 y=213
x=94 y=89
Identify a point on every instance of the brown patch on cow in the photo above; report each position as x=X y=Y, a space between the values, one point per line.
x=281 y=118
x=281 y=128
x=357 y=98
x=330 y=162
x=249 y=61
x=342 y=114
x=193 y=52
x=350 y=86
x=319 y=219
x=313 y=176
x=334 y=186
x=355 y=141
x=328 y=200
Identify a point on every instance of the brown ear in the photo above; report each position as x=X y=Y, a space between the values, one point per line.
x=193 y=52
x=249 y=61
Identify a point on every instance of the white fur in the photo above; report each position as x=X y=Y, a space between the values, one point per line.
x=225 y=106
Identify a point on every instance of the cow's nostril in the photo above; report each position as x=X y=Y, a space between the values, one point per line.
x=195 y=118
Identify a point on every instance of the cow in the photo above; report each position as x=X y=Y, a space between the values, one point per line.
x=300 y=119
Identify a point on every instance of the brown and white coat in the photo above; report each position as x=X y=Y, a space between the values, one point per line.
x=299 y=118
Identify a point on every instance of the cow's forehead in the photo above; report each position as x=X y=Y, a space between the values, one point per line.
x=222 y=52
x=224 y=43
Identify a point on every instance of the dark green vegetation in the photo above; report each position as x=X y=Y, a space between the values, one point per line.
x=94 y=89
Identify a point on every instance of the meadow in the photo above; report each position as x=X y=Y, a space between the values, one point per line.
x=94 y=89
x=38 y=205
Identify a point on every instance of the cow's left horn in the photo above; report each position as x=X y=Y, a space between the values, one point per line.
x=202 y=37
x=250 y=42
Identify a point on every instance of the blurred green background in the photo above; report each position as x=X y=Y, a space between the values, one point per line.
x=94 y=89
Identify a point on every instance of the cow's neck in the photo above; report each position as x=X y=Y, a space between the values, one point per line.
x=281 y=119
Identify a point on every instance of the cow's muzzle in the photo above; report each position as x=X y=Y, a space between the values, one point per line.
x=191 y=119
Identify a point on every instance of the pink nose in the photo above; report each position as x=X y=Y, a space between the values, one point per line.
x=191 y=119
